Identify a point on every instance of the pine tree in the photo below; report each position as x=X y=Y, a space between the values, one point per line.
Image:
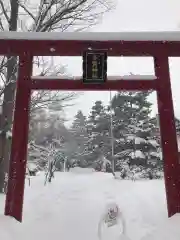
x=123 y=121
x=133 y=127
x=99 y=132
x=80 y=136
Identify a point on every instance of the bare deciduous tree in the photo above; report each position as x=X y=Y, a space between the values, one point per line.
x=38 y=16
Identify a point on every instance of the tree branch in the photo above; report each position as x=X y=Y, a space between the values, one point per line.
x=26 y=10
x=4 y=11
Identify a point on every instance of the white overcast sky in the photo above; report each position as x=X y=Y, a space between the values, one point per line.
x=133 y=15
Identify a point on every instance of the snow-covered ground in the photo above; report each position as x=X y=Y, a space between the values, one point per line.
x=70 y=207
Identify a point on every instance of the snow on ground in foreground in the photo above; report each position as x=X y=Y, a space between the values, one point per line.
x=71 y=206
x=168 y=230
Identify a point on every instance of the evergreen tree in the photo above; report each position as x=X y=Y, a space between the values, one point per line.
x=133 y=128
x=80 y=136
x=99 y=132
x=123 y=120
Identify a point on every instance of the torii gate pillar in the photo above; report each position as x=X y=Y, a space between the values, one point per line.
x=67 y=44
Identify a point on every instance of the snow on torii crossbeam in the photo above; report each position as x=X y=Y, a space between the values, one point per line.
x=159 y=45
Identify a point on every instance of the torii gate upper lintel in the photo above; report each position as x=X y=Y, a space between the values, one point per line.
x=27 y=45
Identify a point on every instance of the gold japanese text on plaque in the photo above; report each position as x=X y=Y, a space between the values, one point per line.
x=94 y=66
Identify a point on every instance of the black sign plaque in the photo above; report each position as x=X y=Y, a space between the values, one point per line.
x=94 y=66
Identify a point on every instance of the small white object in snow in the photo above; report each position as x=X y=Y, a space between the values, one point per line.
x=95 y=36
x=111 y=217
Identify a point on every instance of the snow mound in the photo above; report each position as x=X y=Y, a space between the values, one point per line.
x=31 y=166
x=112 y=223
x=8 y=227
x=82 y=170
x=169 y=230
x=137 y=154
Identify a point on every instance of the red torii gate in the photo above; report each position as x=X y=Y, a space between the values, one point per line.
x=26 y=45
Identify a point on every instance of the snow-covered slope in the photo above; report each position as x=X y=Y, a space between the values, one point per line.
x=71 y=206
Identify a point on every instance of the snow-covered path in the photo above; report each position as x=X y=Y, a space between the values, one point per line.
x=71 y=206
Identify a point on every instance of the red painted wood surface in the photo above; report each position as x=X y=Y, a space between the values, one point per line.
x=18 y=158
x=76 y=48
x=158 y=49
x=66 y=84
x=168 y=135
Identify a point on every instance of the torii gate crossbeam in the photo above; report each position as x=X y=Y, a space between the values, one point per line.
x=26 y=45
